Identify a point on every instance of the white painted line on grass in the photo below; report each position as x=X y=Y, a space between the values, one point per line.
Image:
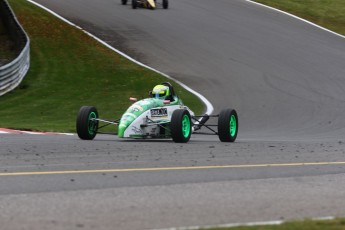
x=67 y=134
x=277 y=222
x=14 y=131
x=209 y=106
x=248 y=224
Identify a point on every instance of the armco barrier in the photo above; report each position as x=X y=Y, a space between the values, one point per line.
x=13 y=73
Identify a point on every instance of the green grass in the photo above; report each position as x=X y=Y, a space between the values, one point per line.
x=336 y=224
x=68 y=70
x=327 y=13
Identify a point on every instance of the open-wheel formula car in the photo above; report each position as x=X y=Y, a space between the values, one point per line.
x=163 y=115
x=149 y=4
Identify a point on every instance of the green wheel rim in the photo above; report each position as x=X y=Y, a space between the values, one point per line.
x=185 y=126
x=233 y=126
x=92 y=123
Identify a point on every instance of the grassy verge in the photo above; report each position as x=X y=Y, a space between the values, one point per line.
x=68 y=70
x=327 y=13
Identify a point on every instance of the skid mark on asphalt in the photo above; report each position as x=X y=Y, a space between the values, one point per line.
x=171 y=168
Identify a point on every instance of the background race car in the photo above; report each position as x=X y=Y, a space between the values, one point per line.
x=149 y=4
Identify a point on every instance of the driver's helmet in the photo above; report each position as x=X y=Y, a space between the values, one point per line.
x=160 y=91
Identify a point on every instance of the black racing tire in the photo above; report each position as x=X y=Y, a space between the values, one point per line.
x=124 y=2
x=86 y=127
x=165 y=4
x=181 y=126
x=134 y=4
x=227 y=125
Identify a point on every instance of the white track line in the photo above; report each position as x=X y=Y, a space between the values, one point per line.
x=14 y=131
x=33 y=133
x=209 y=106
x=274 y=222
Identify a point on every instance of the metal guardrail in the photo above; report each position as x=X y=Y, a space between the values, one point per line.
x=13 y=73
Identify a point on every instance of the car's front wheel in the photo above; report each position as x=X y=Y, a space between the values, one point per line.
x=181 y=127
x=87 y=124
x=227 y=125
x=124 y=2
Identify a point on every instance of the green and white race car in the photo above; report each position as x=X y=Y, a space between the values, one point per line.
x=163 y=115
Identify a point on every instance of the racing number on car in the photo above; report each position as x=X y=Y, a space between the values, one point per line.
x=161 y=112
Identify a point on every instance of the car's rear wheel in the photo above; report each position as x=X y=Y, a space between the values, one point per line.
x=165 y=4
x=134 y=4
x=124 y=2
x=181 y=127
x=227 y=125
x=86 y=124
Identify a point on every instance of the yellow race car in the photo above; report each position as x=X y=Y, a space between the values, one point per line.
x=149 y=4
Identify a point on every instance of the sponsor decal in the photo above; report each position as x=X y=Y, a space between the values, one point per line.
x=160 y=112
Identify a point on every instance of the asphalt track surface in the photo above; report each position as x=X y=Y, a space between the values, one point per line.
x=284 y=77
